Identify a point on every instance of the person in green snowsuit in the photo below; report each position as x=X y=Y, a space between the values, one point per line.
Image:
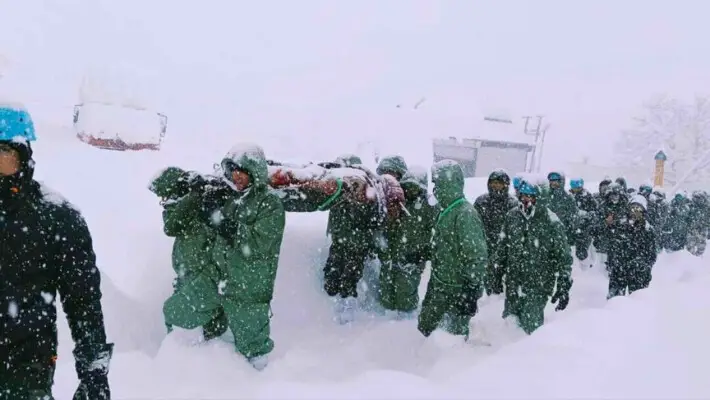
x=459 y=256
x=182 y=219
x=408 y=248
x=492 y=208
x=249 y=229
x=563 y=204
x=353 y=223
x=533 y=255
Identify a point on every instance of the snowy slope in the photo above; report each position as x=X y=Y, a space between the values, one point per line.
x=650 y=345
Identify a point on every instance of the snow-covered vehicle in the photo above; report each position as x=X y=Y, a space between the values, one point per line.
x=119 y=127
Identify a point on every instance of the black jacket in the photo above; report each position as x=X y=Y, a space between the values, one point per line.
x=493 y=210
x=45 y=250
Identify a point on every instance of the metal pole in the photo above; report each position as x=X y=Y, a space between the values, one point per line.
x=542 y=146
x=525 y=132
x=535 y=132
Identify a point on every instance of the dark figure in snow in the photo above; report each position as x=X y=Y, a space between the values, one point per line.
x=675 y=231
x=235 y=283
x=353 y=225
x=587 y=208
x=656 y=211
x=562 y=203
x=492 y=208
x=621 y=181
x=664 y=210
x=582 y=197
x=357 y=205
x=632 y=250
x=47 y=249
x=408 y=247
x=603 y=187
x=534 y=258
x=613 y=207
x=458 y=265
x=699 y=223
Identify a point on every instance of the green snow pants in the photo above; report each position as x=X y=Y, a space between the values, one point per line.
x=529 y=310
x=439 y=309
x=399 y=286
x=198 y=303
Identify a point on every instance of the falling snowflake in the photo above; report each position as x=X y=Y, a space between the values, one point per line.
x=48 y=297
x=13 y=309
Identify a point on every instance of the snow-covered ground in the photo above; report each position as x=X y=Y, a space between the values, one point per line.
x=652 y=344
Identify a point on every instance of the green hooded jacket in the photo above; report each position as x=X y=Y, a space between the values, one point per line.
x=253 y=225
x=459 y=243
x=409 y=237
x=393 y=165
x=533 y=253
x=459 y=256
x=191 y=256
x=564 y=205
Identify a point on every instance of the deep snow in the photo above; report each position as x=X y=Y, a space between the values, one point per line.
x=652 y=344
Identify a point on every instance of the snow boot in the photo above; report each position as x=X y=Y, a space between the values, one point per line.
x=345 y=310
x=259 y=362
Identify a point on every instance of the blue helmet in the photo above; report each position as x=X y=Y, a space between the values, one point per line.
x=645 y=190
x=528 y=189
x=576 y=183
x=554 y=176
x=16 y=122
x=517 y=181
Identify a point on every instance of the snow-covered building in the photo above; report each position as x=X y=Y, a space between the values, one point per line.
x=492 y=145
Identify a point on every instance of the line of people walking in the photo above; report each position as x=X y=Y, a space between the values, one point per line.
x=228 y=229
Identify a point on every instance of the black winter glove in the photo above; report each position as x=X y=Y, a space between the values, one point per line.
x=196 y=183
x=468 y=303
x=92 y=367
x=561 y=297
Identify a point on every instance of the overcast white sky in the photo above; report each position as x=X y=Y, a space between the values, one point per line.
x=330 y=68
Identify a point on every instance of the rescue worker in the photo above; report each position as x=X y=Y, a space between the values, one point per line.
x=459 y=257
x=534 y=259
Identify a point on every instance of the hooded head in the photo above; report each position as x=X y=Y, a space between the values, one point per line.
x=348 y=160
x=448 y=180
x=527 y=195
x=556 y=180
x=414 y=183
x=604 y=185
x=498 y=183
x=622 y=182
x=645 y=191
x=246 y=159
x=659 y=195
x=172 y=182
x=614 y=193
x=516 y=182
x=392 y=165
x=699 y=198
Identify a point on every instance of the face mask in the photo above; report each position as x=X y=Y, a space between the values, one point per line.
x=527 y=204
